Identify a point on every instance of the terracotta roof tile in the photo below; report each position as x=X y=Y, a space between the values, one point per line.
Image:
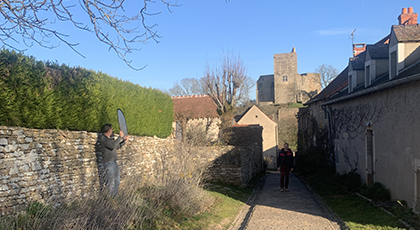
x=195 y=106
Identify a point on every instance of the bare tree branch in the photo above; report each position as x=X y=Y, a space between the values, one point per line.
x=187 y=86
x=228 y=84
x=32 y=21
x=328 y=73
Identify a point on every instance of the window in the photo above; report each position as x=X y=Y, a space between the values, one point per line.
x=285 y=78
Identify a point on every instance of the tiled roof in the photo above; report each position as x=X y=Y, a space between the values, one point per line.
x=378 y=51
x=195 y=106
x=384 y=40
x=410 y=70
x=358 y=62
x=407 y=33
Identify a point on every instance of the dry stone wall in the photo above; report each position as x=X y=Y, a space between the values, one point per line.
x=54 y=166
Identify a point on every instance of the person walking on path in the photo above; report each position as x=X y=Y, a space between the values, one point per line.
x=109 y=147
x=297 y=210
x=285 y=166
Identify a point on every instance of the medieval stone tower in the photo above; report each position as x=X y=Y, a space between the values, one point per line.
x=286 y=85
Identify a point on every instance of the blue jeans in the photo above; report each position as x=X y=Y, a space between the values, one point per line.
x=112 y=177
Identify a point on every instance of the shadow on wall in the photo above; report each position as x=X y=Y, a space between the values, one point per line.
x=270 y=158
x=99 y=163
x=238 y=165
x=244 y=161
x=409 y=60
x=304 y=96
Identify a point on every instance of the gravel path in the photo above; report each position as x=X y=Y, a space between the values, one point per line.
x=269 y=208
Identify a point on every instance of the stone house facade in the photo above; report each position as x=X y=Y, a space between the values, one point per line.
x=371 y=111
x=195 y=115
x=286 y=85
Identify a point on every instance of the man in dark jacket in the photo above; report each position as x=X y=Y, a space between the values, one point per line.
x=109 y=147
x=285 y=163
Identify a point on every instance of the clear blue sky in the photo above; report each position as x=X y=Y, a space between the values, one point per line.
x=199 y=31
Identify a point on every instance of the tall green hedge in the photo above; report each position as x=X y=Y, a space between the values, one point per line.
x=48 y=95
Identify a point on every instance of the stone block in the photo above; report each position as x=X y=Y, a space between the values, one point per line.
x=3 y=141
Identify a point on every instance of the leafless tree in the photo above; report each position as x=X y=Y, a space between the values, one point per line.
x=328 y=73
x=228 y=83
x=32 y=22
x=187 y=86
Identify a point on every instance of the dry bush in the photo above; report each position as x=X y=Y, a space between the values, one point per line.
x=267 y=161
x=129 y=208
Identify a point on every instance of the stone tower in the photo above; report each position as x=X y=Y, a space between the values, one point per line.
x=285 y=73
x=286 y=85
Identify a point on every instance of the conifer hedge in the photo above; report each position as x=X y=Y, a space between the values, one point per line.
x=42 y=95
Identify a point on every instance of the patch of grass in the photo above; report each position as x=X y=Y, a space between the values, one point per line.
x=220 y=216
x=232 y=191
x=295 y=105
x=356 y=212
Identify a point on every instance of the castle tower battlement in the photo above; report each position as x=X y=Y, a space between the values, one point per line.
x=286 y=85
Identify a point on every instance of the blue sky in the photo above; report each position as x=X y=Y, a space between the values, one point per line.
x=199 y=31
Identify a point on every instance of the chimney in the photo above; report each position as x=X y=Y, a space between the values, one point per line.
x=358 y=48
x=407 y=17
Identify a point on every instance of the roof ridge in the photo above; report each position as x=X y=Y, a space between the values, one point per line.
x=189 y=96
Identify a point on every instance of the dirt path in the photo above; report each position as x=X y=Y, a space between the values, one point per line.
x=271 y=209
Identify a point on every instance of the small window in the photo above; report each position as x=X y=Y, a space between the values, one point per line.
x=284 y=78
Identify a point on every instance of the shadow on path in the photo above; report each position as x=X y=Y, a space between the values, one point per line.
x=268 y=208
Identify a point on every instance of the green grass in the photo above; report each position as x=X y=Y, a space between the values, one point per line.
x=355 y=211
x=295 y=105
x=219 y=216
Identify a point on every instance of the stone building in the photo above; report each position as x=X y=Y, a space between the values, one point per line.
x=371 y=113
x=286 y=85
x=194 y=116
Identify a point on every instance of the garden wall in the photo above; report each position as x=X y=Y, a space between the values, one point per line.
x=52 y=166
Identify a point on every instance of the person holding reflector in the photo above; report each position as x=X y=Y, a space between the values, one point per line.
x=109 y=146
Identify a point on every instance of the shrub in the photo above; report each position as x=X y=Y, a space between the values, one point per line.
x=350 y=180
x=311 y=160
x=52 y=96
x=376 y=191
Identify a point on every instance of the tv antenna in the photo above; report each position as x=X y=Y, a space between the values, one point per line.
x=352 y=36
x=352 y=41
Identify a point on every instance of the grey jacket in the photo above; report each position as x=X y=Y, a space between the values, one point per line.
x=109 y=147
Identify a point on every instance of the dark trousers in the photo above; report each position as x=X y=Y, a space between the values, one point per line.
x=112 y=177
x=285 y=172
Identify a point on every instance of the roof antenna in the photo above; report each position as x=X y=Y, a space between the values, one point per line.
x=352 y=41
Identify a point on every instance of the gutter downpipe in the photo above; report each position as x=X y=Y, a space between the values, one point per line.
x=331 y=149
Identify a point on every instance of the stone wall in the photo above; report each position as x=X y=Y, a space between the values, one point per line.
x=238 y=165
x=53 y=166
